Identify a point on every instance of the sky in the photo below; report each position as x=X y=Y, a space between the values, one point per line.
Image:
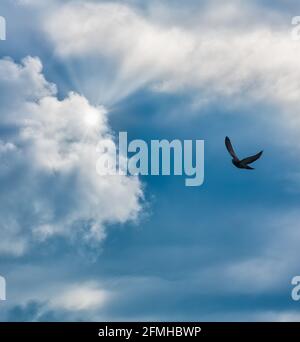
x=76 y=246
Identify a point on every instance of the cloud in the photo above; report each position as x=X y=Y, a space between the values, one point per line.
x=269 y=267
x=87 y=296
x=279 y=316
x=48 y=155
x=56 y=300
x=253 y=59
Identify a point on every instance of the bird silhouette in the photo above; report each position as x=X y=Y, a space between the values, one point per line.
x=241 y=164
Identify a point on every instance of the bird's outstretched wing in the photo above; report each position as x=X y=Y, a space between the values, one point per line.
x=230 y=149
x=251 y=159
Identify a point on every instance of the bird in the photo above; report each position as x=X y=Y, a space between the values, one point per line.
x=241 y=164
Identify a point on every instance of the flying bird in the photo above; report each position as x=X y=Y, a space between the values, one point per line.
x=241 y=164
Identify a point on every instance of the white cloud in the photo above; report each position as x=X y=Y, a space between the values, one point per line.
x=20 y=83
x=86 y=296
x=257 y=60
x=48 y=155
x=268 y=270
x=63 y=291
x=278 y=316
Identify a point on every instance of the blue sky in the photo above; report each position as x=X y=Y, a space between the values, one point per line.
x=75 y=246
